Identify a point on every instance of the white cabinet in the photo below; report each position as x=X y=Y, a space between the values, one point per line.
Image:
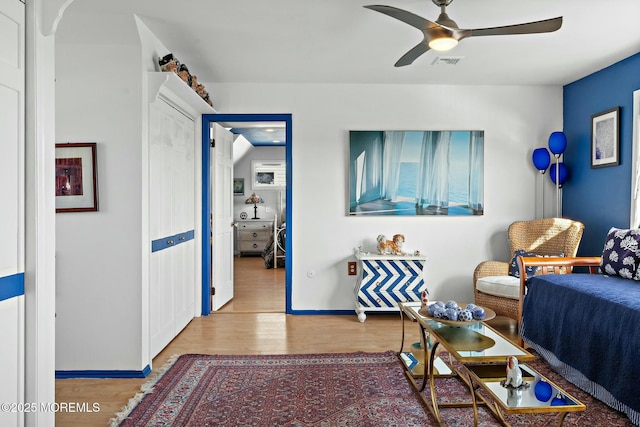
x=385 y=280
x=253 y=235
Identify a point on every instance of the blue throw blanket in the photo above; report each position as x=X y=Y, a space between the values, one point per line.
x=587 y=326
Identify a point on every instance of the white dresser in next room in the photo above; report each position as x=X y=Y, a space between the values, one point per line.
x=253 y=235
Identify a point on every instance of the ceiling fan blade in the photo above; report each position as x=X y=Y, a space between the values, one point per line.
x=414 y=53
x=402 y=15
x=544 y=26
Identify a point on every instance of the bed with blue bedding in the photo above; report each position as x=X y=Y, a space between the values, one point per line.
x=587 y=327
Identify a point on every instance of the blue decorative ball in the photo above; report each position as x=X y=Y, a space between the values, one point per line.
x=431 y=308
x=438 y=312
x=470 y=307
x=478 y=313
x=451 y=304
x=543 y=391
x=558 y=401
x=451 y=314
x=465 y=315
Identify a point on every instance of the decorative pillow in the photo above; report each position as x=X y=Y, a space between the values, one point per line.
x=621 y=253
x=513 y=267
x=531 y=271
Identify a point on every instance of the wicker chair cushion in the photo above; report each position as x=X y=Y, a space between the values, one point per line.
x=500 y=286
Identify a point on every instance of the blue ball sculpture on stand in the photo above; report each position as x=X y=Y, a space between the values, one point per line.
x=557 y=143
x=541 y=159
x=562 y=175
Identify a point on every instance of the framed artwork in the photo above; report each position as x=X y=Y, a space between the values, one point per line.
x=605 y=138
x=416 y=173
x=76 y=177
x=268 y=174
x=238 y=186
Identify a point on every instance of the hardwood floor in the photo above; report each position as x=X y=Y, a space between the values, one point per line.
x=252 y=323
x=256 y=289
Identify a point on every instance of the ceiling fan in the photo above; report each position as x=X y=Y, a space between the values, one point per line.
x=444 y=33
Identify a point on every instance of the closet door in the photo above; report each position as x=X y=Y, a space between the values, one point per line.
x=184 y=219
x=172 y=223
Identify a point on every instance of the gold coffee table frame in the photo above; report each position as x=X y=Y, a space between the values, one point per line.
x=483 y=352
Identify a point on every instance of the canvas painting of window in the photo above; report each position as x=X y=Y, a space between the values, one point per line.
x=416 y=173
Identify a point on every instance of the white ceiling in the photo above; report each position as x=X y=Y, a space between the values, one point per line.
x=339 y=41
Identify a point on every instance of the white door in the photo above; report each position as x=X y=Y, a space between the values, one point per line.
x=222 y=229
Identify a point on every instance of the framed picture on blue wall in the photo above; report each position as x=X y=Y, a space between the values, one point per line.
x=605 y=138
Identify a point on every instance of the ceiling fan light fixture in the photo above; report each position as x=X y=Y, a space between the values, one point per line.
x=443 y=44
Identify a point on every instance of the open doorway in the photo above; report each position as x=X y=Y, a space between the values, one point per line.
x=274 y=217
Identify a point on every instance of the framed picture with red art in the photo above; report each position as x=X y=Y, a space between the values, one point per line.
x=76 y=177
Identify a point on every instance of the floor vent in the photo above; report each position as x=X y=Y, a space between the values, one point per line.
x=447 y=60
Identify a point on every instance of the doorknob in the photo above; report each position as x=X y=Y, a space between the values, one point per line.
x=234 y=224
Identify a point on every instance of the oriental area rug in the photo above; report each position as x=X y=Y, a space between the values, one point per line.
x=349 y=389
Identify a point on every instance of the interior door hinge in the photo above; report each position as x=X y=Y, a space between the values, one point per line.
x=212 y=142
x=213 y=291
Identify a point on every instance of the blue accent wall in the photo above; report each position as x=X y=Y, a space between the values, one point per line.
x=600 y=198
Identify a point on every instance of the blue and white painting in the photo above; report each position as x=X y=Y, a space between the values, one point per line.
x=416 y=173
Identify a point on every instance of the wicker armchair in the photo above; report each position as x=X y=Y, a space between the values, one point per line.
x=547 y=236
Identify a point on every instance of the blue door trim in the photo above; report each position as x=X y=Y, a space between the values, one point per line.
x=207 y=119
x=11 y=286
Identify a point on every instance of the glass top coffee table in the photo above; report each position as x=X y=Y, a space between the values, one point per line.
x=481 y=354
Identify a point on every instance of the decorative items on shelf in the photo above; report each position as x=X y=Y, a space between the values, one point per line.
x=254 y=199
x=514 y=374
x=452 y=311
x=170 y=64
x=558 y=172
x=514 y=383
x=390 y=247
x=425 y=298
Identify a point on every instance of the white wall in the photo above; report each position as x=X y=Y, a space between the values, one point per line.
x=99 y=99
x=242 y=169
x=98 y=254
x=515 y=120
x=105 y=80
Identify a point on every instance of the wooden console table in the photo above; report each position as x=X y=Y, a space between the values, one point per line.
x=385 y=280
